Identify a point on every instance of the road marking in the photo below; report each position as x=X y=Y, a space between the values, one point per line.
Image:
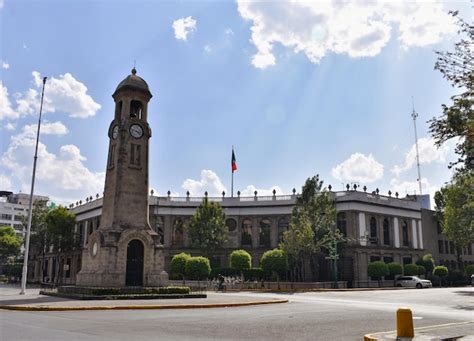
x=417 y=318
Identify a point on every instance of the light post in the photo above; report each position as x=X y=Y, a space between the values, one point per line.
x=24 y=274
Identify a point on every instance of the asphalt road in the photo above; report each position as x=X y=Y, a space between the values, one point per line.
x=308 y=316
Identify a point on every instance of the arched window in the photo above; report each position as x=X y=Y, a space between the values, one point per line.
x=231 y=225
x=118 y=111
x=136 y=108
x=265 y=227
x=283 y=226
x=386 y=232
x=178 y=230
x=246 y=232
x=373 y=231
x=405 y=233
x=341 y=223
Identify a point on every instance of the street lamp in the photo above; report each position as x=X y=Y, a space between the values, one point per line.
x=24 y=274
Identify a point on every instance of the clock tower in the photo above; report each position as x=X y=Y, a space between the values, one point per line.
x=125 y=251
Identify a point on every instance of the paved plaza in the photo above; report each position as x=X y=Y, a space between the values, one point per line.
x=307 y=316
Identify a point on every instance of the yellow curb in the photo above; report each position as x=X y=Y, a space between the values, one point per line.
x=141 y=307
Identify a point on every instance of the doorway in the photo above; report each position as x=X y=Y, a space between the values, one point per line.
x=134 y=272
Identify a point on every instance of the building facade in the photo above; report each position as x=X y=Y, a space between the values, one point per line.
x=377 y=228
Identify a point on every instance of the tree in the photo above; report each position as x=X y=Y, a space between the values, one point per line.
x=313 y=218
x=457 y=119
x=394 y=269
x=276 y=262
x=410 y=270
x=178 y=264
x=455 y=209
x=377 y=270
x=207 y=229
x=40 y=238
x=421 y=270
x=10 y=243
x=60 y=225
x=240 y=260
x=427 y=262
x=469 y=270
x=198 y=268
x=440 y=272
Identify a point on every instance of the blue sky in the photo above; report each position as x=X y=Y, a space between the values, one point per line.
x=298 y=89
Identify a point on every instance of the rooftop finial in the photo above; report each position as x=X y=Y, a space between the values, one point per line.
x=134 y=70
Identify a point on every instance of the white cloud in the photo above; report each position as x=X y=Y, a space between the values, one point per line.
x=207 y=49
x=209 y=182
x=9 y=126
x=6 y=110
x=412 y=187
x=2 y=2
x=5 y=65
x=249 y=191
x=428 y=153
x=358 y=168
x=357 y=28
x=64 y=94
x=64 y=176
x=182 y=27
x=5 y=183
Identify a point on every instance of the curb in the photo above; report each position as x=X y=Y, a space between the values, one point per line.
x=141 y=307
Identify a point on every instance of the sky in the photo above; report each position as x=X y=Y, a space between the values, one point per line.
x=298 y=88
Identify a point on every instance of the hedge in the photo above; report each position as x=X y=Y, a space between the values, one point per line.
x=410 y=270
x=249 y=274
x=170 y=290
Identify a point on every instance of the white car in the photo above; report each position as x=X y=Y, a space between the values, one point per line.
x=413 y=282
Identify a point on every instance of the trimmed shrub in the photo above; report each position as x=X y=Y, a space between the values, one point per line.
x=178 y=265
x=13 y=269
x=456 y=278
x=198 y=268
x=377 y=270
x=410 y=270
x=421 y=270
x=173 y=290
x=254 y=274
x=440 y=272
x=469 y=270
x=395 y=269
x=240 y=260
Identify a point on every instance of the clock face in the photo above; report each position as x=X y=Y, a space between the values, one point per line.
x=136 y=131
x=115 y=132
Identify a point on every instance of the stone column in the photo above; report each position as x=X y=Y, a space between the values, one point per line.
x=167 y=230
x=274 y=233
x=414 y=233
x=86 y=234
x=362 y=229
x=255 y=233
x=396 y=232
x=420 y=234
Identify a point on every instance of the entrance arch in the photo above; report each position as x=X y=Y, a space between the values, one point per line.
x=134 y=272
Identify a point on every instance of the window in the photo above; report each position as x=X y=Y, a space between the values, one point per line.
x=451 y=247
x=283 y=226
x=135 y=154
x=440 y=246
x=68 y=268
x=136 y=109
x=407 y=260
x=231 y=225
x=341 y=223
x=264 y=236
x=388 y=259
x=469 y=249
x=446 y=246
x=438 y=226
x=405 y=233
x=374 y=259
x=373 y=231
x=246 y=232
x=6 y=216
x=112 y=156
x=386 y=232
x=118 y=111
x=178 y=232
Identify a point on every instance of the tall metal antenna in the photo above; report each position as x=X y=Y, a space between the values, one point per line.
x=414 y=115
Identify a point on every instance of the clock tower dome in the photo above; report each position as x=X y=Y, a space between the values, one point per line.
x=125 y=251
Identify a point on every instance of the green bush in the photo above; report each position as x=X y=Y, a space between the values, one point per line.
x=274 y=261
x=198 y=268
x=240 y=260
x=410 y=270
x=469 y=270
x=440 y=272
x=456 y=278
x=254 y=274
x=421 y=270
x=173 y=290
x=106 y=291
x=13 y=269
x=377 y=270
x=395 y=269
x=178 y=265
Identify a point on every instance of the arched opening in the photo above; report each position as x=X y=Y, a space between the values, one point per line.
x=283 y=226
x=341 y=223
x=231 y=225
x=118 y=111
x=386 y=232
x=136 y=108
x=373 y=231
x=134 y=274
x=178 y=232
x=246 y=233
x=264 y=235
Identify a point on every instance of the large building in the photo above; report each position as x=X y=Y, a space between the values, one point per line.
x=14 y=209
x=378 y=227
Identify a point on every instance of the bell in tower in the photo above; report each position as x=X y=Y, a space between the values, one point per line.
x=124 y=250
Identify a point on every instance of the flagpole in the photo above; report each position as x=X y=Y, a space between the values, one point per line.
x=232 y=177
x=30 y=206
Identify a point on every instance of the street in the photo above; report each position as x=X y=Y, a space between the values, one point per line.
x=308 y=316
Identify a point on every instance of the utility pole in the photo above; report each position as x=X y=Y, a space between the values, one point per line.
x=24 y=274
x=414 y=115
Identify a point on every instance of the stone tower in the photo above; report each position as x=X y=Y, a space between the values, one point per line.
x=125 y=251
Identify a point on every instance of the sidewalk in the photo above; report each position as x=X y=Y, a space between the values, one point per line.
x=11 y=299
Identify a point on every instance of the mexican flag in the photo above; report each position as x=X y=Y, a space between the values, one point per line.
x=233 y=162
